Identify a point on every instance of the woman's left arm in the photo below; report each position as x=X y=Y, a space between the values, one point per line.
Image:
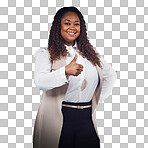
x=109 y=78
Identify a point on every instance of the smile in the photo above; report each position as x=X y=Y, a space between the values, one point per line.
x=71 y=33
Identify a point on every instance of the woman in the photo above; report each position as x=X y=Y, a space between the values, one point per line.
x=73 y=78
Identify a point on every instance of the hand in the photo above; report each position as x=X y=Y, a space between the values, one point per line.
x=73 y=68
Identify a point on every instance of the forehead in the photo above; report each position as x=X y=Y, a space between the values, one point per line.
x=70 y=16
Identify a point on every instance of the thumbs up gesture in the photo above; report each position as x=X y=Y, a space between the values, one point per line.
x=73 y=68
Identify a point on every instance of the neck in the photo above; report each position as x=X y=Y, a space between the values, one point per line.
x=70 y=43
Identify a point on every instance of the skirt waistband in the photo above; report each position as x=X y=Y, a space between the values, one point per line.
x=77 y=103
x=76 y=115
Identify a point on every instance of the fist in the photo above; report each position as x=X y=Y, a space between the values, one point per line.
x=73 y=68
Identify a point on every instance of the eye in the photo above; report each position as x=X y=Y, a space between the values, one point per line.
x=67 y=23
x=77 y=24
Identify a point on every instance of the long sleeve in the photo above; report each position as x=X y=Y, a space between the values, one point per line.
x=44 y=79
x=109 y=78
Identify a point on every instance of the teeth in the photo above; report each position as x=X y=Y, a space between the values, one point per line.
x=71 y=33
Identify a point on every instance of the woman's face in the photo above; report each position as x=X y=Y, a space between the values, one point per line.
x=70 y=27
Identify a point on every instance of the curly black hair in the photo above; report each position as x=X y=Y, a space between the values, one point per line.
x=56 y=46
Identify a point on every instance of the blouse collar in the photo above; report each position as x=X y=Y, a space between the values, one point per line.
x=69 y=47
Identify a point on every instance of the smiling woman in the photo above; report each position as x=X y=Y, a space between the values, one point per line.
x=73 y=77
x=70 y=27
x=70 y=19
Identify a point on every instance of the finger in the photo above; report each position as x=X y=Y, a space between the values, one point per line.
x=81 y=66
x=77 y=73
x=79 y=70
x=75 y=58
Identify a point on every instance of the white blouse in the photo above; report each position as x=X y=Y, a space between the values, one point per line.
x=46 y=80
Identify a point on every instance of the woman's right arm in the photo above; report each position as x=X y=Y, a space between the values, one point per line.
x=44 y=79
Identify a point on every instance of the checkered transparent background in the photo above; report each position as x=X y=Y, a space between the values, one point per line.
x=118 y=29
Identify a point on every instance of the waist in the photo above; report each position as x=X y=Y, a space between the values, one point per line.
x=76 y=112
x=77 y=105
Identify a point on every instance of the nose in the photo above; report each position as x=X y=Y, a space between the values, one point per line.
x=72 y=26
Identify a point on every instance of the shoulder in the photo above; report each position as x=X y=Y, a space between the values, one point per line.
x=41 y=52
x=99 y=56
x=102 y=61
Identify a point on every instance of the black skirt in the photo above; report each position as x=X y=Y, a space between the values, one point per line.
x=78 y=129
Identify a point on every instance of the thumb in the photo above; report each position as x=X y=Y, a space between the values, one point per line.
x=75 y=58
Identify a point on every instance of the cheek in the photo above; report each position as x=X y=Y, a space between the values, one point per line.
x=78 y=29
x=63 y=28
x=79 y=32
x=62 y=31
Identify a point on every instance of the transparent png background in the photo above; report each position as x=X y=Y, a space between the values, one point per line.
x=118 y=29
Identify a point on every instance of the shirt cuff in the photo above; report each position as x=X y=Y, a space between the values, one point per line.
x=65 y=77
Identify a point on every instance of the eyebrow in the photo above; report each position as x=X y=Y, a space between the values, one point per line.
x=70 y=21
